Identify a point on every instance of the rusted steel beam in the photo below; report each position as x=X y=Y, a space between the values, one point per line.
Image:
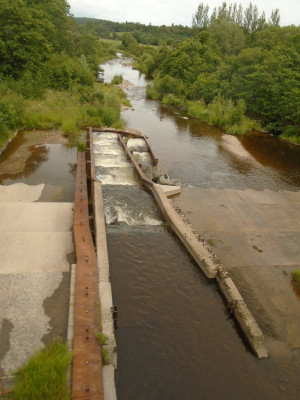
x=145 y=182
x=114 y=130
x=154 y=159
x=87 y=381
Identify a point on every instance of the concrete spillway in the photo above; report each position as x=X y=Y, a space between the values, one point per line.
x=128 y=197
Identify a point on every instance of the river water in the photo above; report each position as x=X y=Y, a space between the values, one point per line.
x=202 y=155
x=175 y=338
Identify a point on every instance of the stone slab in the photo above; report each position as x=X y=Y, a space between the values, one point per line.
x=238 y=249
x=256 y=234
x=20 y=192
x=274 y=303
x=36 y=217
x=171 y=190
x=26 y=252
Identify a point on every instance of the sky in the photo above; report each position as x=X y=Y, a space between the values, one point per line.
x=166 y=12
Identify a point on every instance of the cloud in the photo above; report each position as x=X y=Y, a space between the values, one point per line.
x=166 y=12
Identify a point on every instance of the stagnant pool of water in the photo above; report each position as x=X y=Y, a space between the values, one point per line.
x=175 y=338
x=35 y=157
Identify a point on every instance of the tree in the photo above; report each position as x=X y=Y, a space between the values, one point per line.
x=275 y=18
x=201 y=19
x=128 y=40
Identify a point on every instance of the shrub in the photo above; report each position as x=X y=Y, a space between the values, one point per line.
x=152 y=93
x=61 y=71
x=198 y=109
x=167 y=84
x=11 y=112
x=173 y=100
x=117 y=80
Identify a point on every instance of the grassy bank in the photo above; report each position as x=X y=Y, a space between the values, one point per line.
x=45 y=375
x=69 y=110
x=221 y=112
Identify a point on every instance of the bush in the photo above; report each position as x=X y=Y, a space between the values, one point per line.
x=291 y=133
x=11 y=112
x=152 y=93
x=117 y=80
x=173 y=100
x=198 y=109
x=62 y=71
x=168 y=85
x=224 y=112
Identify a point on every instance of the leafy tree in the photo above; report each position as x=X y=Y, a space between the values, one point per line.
x=201 y=19
x=128 y=40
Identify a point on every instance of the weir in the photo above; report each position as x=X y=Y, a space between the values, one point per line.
x=135 y=231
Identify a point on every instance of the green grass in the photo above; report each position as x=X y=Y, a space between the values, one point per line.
x=70 y=111
x=102 y=340
x=223 y=113
x=45 y=375
x=296 y=280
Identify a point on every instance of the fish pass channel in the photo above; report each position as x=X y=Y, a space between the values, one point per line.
x=175 y=338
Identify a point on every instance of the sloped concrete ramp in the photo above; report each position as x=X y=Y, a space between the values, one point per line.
x=36 y=251
x=256 y=234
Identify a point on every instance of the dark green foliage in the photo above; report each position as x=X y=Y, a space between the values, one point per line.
x=62 y=71
x=143 y=34
x=117 y=79
x=10 y=116
x=236 y=54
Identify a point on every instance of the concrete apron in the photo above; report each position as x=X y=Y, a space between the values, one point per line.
x=213 y=268
x=36 y=245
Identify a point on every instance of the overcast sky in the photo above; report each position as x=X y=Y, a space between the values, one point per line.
x=166 y=12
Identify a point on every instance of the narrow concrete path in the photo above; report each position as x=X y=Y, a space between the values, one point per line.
x=256 y=234
x=36 y=251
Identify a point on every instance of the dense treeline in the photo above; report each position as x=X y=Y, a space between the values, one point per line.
x=143 y=34
x=45 y=62
x=237 y=61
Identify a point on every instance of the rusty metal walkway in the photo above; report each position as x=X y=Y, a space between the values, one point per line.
x=87 y=380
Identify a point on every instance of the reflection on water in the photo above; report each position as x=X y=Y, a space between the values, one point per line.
x=175 y=339
x=35 y=157
x=194 y=152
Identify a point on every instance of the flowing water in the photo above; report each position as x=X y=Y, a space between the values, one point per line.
x=175 y=337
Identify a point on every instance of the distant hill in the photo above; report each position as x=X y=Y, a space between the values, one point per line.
x=145 y=34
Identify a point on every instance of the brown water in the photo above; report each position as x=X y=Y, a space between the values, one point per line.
x=175 y=337
x=35 y=157
x=202 y=155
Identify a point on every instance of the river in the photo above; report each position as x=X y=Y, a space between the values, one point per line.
x=175 y=338
x=202 y=155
